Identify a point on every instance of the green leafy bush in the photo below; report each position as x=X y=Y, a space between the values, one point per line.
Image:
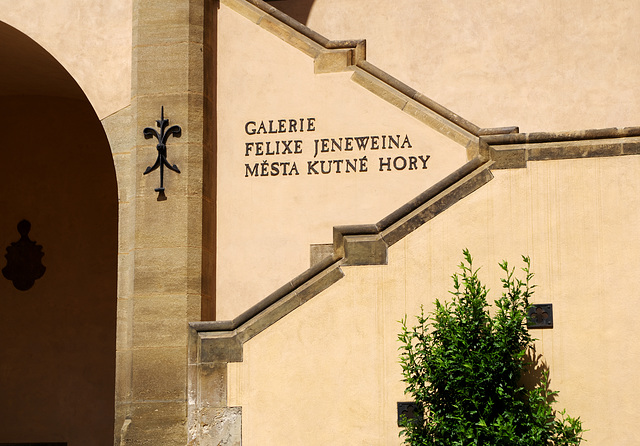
x=464 y=369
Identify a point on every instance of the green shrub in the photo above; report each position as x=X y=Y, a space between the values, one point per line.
x=464 y=369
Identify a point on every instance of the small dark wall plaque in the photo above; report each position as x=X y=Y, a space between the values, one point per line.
x=407 y=409
x=24 y=260
x=540 y=316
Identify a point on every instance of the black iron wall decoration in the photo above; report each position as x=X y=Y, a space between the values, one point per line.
x=24 y=260
x=161 y=160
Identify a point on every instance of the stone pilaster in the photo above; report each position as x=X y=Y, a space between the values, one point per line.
x=170 y=258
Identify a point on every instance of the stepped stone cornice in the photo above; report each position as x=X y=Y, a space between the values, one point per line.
x=487 y=148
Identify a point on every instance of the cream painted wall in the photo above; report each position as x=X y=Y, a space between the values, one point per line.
x=545 y=66
x=91 y=39
x=541 y=66
x=329 y=371
x=267 y=223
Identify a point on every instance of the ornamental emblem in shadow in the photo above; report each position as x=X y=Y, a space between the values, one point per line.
x=24 y=260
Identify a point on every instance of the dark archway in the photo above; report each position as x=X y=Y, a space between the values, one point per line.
x=57 y=338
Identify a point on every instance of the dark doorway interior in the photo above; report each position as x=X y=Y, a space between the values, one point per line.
x=57 y=335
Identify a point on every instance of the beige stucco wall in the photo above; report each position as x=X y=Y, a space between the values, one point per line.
x=329 y=371
x=538 y=66
x=267 y=223
x=542 y=65
x=91 y=39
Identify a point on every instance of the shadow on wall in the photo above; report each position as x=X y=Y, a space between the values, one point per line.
x=298 y=9
x=535 y=373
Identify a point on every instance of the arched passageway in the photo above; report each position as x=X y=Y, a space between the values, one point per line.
x=57 y=337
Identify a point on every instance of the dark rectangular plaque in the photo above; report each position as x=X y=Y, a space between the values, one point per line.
x=540 y=316
x=408 y=409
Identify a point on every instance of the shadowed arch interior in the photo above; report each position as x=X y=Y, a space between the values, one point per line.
x=57 y=338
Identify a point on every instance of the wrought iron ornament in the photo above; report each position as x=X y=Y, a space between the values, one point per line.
x=24 y=260
x=161 y=160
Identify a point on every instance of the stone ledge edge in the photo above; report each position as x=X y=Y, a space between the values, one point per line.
x=353 y=245
x=587 y=144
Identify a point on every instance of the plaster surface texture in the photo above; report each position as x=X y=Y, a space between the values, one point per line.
x=91 y=39
x=266 y=223
x=544 y=66
x=329 y=373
